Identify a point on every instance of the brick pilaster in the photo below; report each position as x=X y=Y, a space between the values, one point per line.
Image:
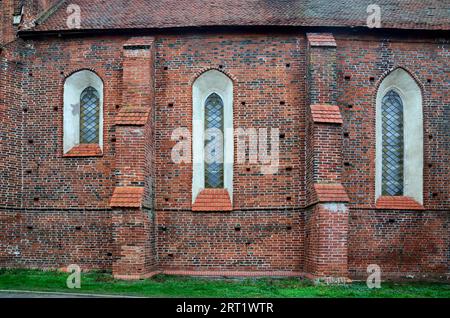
x=326 y=242
x=7 y=29
x=321 y=68
x=132 y=201
x=326 y=223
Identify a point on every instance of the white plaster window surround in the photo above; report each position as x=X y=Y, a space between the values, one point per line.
x=211 y=81
x=74 y=85
x=409 y=91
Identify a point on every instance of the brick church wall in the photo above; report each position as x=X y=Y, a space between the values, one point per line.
x=46 y=197
x=259 y=240
x=6 y=16
x=268 y=76
x=398 y=241
x=52 y=239
x=401 y=242
x=326 y=241
x=134 y=239
x=12 y=71
x=50 y=179
x=365 y=60
x=54 y=210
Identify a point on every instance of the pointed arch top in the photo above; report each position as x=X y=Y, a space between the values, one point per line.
x=395 y=69
x=85 y=71
x=400 y=80
x=205 y=71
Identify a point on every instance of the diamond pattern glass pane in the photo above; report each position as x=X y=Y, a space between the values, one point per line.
x=214 y=150
x=392 y=128
x=89 y=116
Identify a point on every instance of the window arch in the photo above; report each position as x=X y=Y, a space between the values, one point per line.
x=212 y=132
x=83 y=110
x=399 y=137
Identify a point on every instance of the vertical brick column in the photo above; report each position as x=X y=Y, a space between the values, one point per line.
x=321 y=68
x=7 y=30
x=132 y=202
x=326 y=223
x=11 y=118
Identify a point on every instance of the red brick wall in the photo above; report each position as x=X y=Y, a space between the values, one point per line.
x=130 y=162
x=362 y=58
x=269 y=75
x=242 y=240
x=6 y=19
x=268 y=93
x=326 y=242
x=134 y=240
x=61 y=213
x=11 y=73
x=274 y=97
x=51 y=180
x=322 y=75
x=149 y=166
x=56 y=239
x=400 y=242
x=328 y=153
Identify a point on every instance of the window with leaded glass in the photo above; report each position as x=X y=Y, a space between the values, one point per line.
x=392 y=144
x=89 y=116
x=214 y=169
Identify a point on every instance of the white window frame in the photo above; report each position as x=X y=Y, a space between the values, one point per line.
x=409 y=91
x=209 y=82
x=74 y=85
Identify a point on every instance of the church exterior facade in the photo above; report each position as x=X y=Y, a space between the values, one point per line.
x=275 y=138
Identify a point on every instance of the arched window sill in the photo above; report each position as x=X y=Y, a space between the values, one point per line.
x=85 y=150
x=212 y=200
x=398 y=203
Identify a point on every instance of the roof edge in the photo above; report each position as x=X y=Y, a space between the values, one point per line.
x=235 y=28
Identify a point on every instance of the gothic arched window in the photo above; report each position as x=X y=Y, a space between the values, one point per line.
x=214 y=142
x=393 y=144
x=89 y=116
x=212 y=134
x=83 y=114
x=399 y=138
